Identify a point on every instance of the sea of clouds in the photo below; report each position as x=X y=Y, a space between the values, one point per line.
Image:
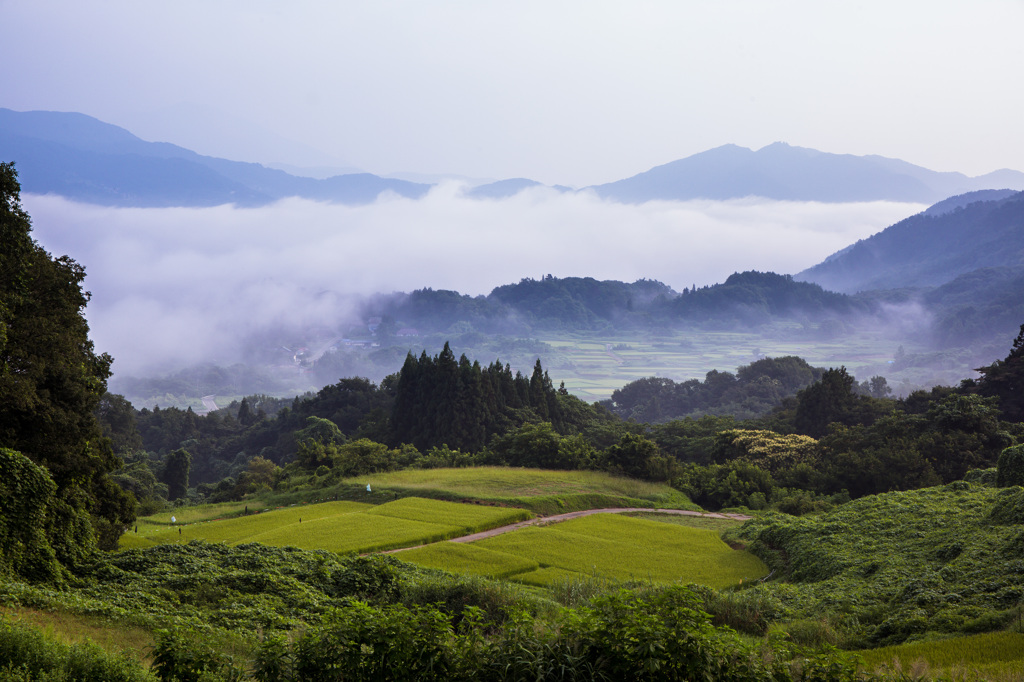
x=182 y=285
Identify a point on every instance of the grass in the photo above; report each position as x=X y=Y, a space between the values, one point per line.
x=456 y=557
x=994 y=652
x=135 y=642
x=704 y=522
x=623 y=548
x=334 y=526
x=540 y=491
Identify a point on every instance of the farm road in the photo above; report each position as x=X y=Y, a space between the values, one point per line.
x=576 y=514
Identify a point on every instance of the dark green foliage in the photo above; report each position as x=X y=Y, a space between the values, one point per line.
x=753 y=391
x=830 y=400
x=754 y=298
x=1010 y=467
x=26 y=493
x=734 y=484
x=440 y=401
x=51 y=380
x=117 y=419
x=540 y=446
x=631 y=456
x=176 y=470
x=180 y=657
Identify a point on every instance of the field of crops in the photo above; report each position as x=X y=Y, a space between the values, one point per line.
x=594 y=367
x=543 y=492
x=470 y=559
x=334 y=526
x=606 y=545
x=993 y=653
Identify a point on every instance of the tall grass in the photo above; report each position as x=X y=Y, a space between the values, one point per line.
x=27 y=654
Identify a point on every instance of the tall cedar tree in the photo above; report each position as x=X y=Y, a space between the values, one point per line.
x=441 y=401
x=51 y=380
x=1004 y=379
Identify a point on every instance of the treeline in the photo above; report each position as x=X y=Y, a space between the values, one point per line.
x=754 y=390
x=828 y=438
x=585 y=303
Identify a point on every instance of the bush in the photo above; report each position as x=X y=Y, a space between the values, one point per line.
x=1010 y=467
x=981 y=476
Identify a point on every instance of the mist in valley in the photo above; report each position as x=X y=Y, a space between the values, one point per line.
x=177 y=286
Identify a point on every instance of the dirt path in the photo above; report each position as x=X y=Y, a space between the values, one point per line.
x=557 y=518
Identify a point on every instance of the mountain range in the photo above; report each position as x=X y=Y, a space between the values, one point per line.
x=85 y=159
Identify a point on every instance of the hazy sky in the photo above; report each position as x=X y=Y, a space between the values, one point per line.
x=573 y=92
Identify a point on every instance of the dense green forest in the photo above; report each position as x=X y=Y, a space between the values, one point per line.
x=833 y=469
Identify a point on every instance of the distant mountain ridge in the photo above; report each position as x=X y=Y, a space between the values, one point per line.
x=950 y=239
x=82 y=158
x=783 y=172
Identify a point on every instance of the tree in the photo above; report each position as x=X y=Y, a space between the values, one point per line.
x=631 y=455
x=176 y=470
x=830 y=400
x=1005 y=380
x=51 y=379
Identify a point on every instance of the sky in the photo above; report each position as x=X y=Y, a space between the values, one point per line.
x=574 y=92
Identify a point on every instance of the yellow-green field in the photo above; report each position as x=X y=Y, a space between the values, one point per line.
x=607 y=545
x=541 y=491
x=456 y=557
x=992 y=654
x=593 y=368
x=334 y=526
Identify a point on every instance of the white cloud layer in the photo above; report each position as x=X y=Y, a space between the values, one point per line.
x=186 y=284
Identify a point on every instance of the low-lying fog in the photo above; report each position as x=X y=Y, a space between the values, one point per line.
x=184 y=284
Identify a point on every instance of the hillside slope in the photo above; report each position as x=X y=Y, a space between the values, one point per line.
x=930 y=249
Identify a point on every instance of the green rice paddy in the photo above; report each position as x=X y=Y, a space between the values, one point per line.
x=334 y=526
x=994 y=653
x=593 y=368
x=606 y=545
x=471 y=559
x=540 y=491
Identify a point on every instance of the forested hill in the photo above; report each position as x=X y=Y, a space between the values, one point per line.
x=586 y=303
x=931 y=248
x=85 y=159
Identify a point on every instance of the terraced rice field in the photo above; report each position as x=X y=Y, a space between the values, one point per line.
x=593 y=368
x=544 y=492
x=337 y=526
x=606 y=545
x=990 y=654
x=470 y=559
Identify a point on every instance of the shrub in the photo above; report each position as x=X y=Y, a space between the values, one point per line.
x=981 y=476
x=1010 y=467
